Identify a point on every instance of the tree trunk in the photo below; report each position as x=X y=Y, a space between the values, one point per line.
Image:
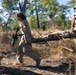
x=51 y=16
x=22 y=6
x=55 y=36
x=36 y=8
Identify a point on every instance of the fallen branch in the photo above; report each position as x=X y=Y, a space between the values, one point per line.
x=55 y=36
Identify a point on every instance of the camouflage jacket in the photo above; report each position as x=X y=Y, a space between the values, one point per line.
x=25 y=29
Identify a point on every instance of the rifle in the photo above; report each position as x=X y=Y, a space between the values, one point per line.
x=15 y=36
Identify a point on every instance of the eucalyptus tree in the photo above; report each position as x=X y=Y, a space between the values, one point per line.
x=61 y=17
x=52 y=7
x=39 y=9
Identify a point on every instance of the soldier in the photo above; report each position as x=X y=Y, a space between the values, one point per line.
x=73 y=23
x=25 y=42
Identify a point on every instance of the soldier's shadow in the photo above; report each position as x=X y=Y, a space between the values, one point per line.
x=15 y=71
x=59 y=69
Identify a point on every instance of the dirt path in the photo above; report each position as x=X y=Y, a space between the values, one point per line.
x=47 y=67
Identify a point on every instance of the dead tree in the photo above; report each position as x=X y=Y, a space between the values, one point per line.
x=55 y=36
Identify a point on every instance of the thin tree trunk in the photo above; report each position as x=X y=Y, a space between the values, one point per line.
x=22 y=6
x=36 y=8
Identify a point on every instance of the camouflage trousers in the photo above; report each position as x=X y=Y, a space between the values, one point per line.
x=26 y=49
x=22 y=47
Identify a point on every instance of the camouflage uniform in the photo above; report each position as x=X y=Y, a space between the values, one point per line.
x=73 y=27
x=73 y=23
x=25 y=44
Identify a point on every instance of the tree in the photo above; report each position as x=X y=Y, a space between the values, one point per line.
x=37 y=8
x=51 y=6
x=55 y=36
x=10 y=7
x=72 y=3
x=1 y=19
x=32 y=22
x=22 y=6
x=34 y=10
x=61 y=18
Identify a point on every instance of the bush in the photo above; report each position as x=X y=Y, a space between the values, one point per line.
x=44 y=25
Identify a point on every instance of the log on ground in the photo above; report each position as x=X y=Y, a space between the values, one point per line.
x=55 y=36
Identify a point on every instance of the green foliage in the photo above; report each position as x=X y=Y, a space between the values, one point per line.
x=1 y=19
x=68 y=24
x=10 y=4
x=51 y=5
x=72 y=3
x=44 y=24
x=62 y=21
x=63 y=9
x=14 y=24
x=32 y=22
x=8 y=12
x=58 y=12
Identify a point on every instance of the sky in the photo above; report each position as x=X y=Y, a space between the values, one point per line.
x=64 y=2
x=0 y=5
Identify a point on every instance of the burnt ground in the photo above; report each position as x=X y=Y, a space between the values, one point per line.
x=58 y=58
x=48 y=66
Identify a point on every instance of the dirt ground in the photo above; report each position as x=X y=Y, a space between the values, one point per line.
x=58 y=57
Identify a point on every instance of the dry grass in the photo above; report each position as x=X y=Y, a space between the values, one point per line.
x=52 y=48
x=65 y=48
x=60 y=48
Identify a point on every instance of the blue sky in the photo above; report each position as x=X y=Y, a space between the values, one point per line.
x=64 y=2
x=0 y=6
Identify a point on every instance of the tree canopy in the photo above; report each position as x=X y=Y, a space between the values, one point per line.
x=38 y=12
